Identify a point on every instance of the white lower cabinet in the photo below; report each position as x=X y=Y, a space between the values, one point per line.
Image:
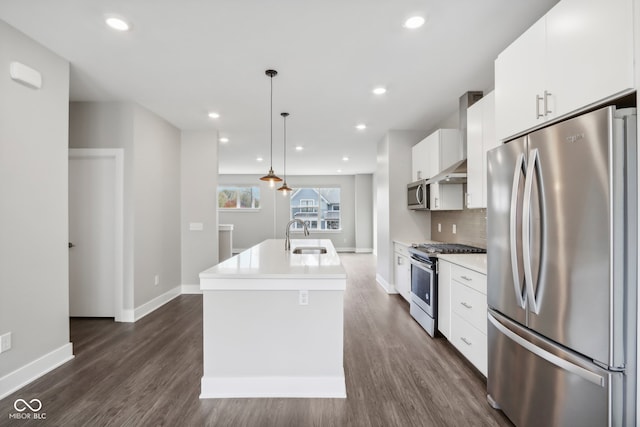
x=470 y=341
x=402 y=270
x=463 y=309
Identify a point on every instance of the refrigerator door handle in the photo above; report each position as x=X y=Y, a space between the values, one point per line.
x=526 y=230
x=513 y=232
x=549 y=357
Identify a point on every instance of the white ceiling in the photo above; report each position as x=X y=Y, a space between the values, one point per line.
x=185 y=58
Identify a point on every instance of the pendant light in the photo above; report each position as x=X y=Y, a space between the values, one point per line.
x=285 y=188
x=271 y=177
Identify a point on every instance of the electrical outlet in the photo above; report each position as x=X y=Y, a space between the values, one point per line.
x=454 y=229
x=5 y=342
x=157 y=280
x=439 y=228
x=303 y=298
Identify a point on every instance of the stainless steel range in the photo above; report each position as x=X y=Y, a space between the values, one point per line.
x=424 y=279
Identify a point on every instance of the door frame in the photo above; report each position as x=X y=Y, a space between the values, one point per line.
x=117 y=154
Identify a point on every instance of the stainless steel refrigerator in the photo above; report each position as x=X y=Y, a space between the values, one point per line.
x=561 y=253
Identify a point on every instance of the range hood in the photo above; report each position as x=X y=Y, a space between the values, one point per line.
x=454 y=174
x=457 y=172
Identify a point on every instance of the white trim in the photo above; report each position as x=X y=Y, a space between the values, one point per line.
x=243 y=387
x=118 y=155
x=364 y=250
x=128 y=316
x=347 y=249
x=388 y=288
x=156 y=303
x=190 y=289
x=22 y=376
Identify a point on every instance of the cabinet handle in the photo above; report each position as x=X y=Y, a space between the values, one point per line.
x=400 y=260
x=546 y=103
x=466 y=305
x=468 y=279
x=464 y=340
x=466 y=199
x=436 y=202
x=538 y=99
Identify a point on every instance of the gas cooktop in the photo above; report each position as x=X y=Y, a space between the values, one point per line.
x=447 y=248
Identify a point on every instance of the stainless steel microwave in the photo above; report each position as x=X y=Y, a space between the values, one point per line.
x=418 y=195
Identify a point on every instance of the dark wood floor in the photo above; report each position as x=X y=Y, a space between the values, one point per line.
x=148 y=373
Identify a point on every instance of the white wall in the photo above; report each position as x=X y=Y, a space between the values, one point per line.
x=157 y=205
x=151 y=188
x=250 y=228
x=394 y=220
x=34 y=274
x=364 y=212
x=199 y=157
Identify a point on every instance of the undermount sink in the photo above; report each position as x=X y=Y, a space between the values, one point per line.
x=310 y=250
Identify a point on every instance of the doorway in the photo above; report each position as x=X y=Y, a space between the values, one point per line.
x=96 y=233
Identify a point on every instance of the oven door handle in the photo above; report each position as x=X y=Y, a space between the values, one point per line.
x=422 y=265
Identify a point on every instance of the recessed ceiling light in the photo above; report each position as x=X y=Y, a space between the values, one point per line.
x=117 y=23
x=299 y=148
x=379 y=90
x=214 y=115
x=224 y=140
x=414 y=22
x=361 y=126
x=259 y=159
x=339 y=170
x=345 y=159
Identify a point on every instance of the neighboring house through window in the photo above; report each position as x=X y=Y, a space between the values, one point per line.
x=319 y=207
x=238 y=197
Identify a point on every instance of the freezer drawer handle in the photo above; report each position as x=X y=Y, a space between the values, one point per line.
x=549 y=357
x=465 y=304
x=468 y=279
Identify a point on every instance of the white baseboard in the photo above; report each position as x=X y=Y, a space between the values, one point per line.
x=244 y=387
x=34 y=370
x=364 y=250
x=156 y=303
x=350 y=250
x=191 y=289
x=128 y=316
x=388 y=287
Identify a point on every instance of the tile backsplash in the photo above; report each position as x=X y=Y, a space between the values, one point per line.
x=471 y=226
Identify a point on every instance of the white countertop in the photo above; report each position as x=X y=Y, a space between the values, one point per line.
x=269 y=260
x=476 y=262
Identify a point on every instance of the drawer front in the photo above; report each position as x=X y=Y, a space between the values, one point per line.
x=473 y=279
x=401 y=249
x=470 y=342
x=469 y=304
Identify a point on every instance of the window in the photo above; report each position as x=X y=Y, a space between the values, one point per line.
x=319 y=207
x=238 y=197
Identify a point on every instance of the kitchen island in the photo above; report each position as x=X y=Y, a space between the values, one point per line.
x=273 y=323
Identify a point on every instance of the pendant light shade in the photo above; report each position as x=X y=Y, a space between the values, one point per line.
x=271 y=176
x=285 y=188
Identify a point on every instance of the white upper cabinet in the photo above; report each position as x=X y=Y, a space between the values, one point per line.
x=445 y=148
x=579 y=53
x=481 y=137
x=437 y=151
x=420 y=166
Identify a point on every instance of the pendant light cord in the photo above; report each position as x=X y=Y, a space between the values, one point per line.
x=271 y=118
x=285 y=148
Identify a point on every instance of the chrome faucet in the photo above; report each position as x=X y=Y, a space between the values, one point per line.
x=287 y=242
